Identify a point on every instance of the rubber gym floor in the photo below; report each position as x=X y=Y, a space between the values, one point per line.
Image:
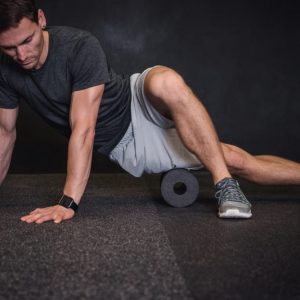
x=126 y=243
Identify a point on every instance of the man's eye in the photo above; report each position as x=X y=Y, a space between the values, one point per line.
x=7 y=48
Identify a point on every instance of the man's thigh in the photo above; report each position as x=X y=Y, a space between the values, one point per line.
x=154 y=145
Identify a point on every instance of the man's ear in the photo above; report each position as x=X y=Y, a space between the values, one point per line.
x=42 y=19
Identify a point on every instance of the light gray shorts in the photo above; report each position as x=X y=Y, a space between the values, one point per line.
x=151 y=143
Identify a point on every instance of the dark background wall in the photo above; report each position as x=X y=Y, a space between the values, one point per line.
x=241 y=57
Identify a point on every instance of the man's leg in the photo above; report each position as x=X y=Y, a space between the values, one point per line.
x=261 y=169
x=169 y=95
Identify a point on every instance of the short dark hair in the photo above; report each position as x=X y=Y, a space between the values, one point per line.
x=13 y=11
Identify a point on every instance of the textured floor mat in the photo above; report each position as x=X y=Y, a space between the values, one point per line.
x=126 y=243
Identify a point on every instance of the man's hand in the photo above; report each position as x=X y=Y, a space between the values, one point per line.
x=57 y=213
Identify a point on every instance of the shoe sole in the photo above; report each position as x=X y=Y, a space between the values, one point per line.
x=234 y=213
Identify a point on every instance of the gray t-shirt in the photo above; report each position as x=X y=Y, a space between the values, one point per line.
x=75 y=62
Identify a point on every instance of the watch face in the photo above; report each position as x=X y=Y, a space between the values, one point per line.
x=66 y=201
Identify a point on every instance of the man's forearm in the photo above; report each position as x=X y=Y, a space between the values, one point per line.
x=7 y=141
x=80 y=152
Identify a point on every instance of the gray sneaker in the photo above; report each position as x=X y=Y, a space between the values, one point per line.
x=232 y=201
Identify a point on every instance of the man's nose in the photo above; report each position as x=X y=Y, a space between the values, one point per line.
x=21 y=53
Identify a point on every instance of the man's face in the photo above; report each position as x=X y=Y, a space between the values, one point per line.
x=24 y=44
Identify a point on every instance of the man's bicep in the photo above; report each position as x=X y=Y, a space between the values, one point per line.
x=85 y=106
x=8 y=118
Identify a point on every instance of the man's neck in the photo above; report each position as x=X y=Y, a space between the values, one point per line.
x=45 y=50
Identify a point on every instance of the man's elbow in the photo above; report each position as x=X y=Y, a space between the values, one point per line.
x=90 y=135
x=86 y=135
x=9 y=135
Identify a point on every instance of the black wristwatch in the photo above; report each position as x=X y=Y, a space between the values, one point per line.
x=68 y=202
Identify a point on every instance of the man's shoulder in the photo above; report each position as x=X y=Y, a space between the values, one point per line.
x=64 y=35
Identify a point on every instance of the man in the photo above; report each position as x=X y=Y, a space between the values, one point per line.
x=64 y=76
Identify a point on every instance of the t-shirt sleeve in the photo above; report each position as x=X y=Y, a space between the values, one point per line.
x=8 y=97
x=88 y=64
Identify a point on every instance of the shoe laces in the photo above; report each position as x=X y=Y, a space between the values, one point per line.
x=228 y=190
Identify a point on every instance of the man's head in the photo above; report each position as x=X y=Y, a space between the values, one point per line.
x=12 y=12
x=21 y=34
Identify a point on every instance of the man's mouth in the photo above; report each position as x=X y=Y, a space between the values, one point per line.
x=25 y=63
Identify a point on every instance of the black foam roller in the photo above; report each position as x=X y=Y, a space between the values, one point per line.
x=179 y=187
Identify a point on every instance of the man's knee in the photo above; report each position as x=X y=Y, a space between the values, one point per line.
x=165 y=84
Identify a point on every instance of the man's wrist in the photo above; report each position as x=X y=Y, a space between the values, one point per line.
x=68 y=202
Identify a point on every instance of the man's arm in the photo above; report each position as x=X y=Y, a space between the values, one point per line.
x=8 y=119
x=83 y=116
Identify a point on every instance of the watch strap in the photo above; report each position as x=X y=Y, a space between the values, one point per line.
x=68 y=202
